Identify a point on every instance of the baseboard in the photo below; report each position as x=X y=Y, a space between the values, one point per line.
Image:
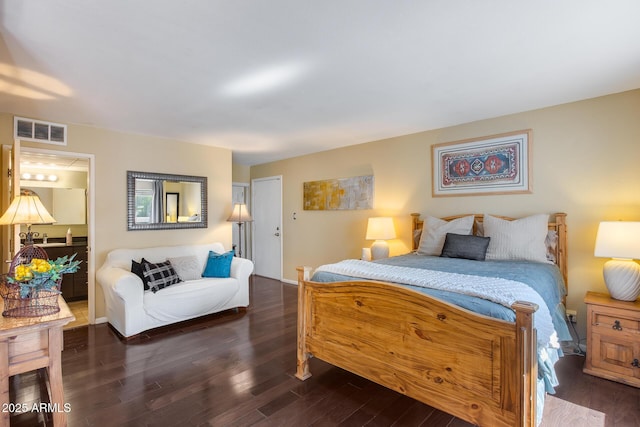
x=290 y=282
x=101 y=320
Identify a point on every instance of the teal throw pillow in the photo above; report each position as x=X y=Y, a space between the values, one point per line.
x=218 y=265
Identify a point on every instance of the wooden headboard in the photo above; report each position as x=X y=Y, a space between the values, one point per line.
x=557 y=222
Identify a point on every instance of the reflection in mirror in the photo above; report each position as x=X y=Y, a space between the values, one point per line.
x=161 y=201
x=173 y=207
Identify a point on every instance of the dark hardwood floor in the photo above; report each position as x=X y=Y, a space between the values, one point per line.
x=236 y=369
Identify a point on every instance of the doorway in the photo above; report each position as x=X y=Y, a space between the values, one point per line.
x=267 y=226
x=74 y=186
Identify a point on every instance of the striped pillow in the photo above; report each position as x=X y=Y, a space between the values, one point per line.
x=521 y=239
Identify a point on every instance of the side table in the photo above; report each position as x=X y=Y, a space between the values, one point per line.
x=613 y=339
x=30 y=343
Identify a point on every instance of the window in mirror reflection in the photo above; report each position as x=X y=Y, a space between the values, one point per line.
x=144 y=199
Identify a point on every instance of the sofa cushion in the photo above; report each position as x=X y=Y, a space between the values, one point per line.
x=218 y=265
x=189 y=299
x=160 y=275
x=187 y=267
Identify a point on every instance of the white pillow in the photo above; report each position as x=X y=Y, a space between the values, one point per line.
x=187 y=267
x=435 y=230
x=520 y=239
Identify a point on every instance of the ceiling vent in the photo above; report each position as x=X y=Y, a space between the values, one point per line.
x=39 y=131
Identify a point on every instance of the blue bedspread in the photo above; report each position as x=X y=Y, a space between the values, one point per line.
x=545 y=279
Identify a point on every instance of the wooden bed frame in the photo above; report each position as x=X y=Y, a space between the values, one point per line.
x=477 y=368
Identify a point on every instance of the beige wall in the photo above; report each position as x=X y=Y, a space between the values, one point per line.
x=115 y=153
x=584 y=163
x=241 y=173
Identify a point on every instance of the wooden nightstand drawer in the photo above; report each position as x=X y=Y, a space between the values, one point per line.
x=616 y=320
x=613 y=339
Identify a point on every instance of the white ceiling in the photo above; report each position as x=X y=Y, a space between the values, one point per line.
x=350 y=71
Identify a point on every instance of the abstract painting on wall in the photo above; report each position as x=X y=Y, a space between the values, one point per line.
x=495 y=164
x=339 y=194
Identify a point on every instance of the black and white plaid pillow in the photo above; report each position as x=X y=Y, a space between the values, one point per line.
x=160 y=275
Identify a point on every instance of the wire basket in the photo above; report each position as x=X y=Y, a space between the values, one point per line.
x=42 y=303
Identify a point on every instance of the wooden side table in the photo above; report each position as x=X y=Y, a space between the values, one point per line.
x=613 y=339
x=29 y=343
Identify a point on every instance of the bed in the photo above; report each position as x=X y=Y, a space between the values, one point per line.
x=474 y=366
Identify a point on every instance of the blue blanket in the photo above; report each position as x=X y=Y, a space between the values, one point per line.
x=545 y=279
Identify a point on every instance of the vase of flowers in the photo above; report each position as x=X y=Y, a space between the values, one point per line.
x=33 y=287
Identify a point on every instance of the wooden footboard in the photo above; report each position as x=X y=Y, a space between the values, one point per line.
x=475 y=367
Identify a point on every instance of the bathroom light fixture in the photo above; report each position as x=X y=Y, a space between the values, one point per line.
x=26 y=176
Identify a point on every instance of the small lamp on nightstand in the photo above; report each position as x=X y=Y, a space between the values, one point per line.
x=620 y=240
x=380 y=229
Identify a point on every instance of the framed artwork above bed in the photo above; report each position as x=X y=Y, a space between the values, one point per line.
x=496 y=164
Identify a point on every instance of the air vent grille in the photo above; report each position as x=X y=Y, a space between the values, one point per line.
x=39 y=131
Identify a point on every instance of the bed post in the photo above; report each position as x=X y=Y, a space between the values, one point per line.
x=561 y=229
x=415 y=225
x=302 y=371
x=526 y=353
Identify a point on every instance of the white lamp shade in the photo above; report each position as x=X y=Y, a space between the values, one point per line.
x=240 y=214
x=380 y=228
x=26 y=209
x=618 y=239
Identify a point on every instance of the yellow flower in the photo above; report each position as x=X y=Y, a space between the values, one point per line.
x=23 y=272
x=40 y=265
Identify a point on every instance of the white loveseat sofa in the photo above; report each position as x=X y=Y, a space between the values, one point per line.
x=131 y=309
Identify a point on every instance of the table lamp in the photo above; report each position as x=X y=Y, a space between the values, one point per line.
x=380 y=229
x=240 y=215
x=26 y=208
x=620 y=240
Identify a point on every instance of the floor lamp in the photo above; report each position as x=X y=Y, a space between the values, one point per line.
x=240 y=215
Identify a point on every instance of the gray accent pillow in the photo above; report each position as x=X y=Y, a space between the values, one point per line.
x=465 y=246
x=187 y=267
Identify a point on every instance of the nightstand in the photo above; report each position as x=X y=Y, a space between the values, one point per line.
x=613 y=339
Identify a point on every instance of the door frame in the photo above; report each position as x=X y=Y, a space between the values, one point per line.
x=91 y=220
x=11 y=234
x=282 y=235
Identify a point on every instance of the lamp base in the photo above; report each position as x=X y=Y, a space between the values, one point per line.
x=379 y=250
x=622 y=278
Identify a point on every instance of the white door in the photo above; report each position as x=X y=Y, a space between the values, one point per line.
x=267 y=226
